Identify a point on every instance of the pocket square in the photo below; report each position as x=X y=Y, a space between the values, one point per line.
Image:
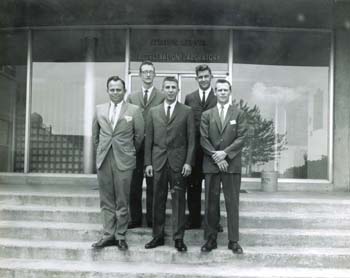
x=128 y=118
x=233 y=122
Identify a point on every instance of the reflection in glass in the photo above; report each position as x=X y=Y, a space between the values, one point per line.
x=70 y=69
x=285 y=98
x=13 y=51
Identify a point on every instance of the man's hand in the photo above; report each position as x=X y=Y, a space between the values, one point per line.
x=186 y=170
x=219 y=156
x=149 y=171
x=223 y=166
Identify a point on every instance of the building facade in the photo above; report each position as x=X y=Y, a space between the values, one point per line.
x=288 y=62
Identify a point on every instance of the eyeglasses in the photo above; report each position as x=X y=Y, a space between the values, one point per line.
x=150 y=72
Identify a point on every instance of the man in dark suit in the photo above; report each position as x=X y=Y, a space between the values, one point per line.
x=169 y=154
x=146 y=98
x=118 y=131
x=222 y=137
x=200 y=100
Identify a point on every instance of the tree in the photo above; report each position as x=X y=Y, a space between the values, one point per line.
x=260 y=145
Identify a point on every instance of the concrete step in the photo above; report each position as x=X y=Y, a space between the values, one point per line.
x=13 y=268
x=255 y=256
x=57 y=231
x=273 y=202
x=255 y=219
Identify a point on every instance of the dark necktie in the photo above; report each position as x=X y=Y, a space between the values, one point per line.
x=168 y=113
x=203 y=99
x=145 y=97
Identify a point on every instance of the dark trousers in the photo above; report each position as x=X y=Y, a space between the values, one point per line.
x=136 y=192
x=194 y=190
x=164 y=179
x=231 y=184
x=114 y=187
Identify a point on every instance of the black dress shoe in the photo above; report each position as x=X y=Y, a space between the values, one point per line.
x=104 y=242
x=220 y=228
x=133 y=225
x=180 y=245
x=235 y=247
x=122 y=245
x=209 y=245
x=155 y=242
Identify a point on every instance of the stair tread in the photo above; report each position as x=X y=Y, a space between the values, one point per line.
x=212 y=270
x=260 y=214
x=143 y=230
x=286 y=250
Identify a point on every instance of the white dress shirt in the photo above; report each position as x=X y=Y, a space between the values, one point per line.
x=226 y=106
x=117 y=112
x=149 y=91
x=172 y=107
x=207 y=91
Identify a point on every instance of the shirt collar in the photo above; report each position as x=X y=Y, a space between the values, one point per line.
x=226 y=106
x=207 y=91
x=171 y=105
x=148 y=90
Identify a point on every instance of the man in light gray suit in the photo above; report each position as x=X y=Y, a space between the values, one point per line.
x=118 y=132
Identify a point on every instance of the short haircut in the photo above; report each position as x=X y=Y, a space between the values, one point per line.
x=223 y=81
x=115 y=78
x=202 y=67
x=172 y=79
x=147 y=62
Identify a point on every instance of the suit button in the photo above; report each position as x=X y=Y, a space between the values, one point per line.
x=222 y=140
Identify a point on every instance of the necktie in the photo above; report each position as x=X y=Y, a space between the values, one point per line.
x=203 y=99
x=145 y=97
x=222 y=116
x=168 y=113
x=114 y=116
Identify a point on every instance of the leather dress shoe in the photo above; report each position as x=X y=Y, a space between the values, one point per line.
x=235 y=247
x=220 y=228
x=104 y=242
x=209 y=245
x=155 y=242
x=180 y=245
x=133 y=225
x=122 y=245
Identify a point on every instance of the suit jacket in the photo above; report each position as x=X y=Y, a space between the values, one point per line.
x=229 y=138
x=155 y=98
x=194 y=101
x=124 y=139
x=173 y=141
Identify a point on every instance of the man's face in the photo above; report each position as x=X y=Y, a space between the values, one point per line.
x=170 y=90
x=204 y=79
x=116 y=91
x=223 y=92
x=147 y=74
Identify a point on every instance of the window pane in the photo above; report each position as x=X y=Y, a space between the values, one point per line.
x=282 y=80
x=70 y=69
x=13 y=71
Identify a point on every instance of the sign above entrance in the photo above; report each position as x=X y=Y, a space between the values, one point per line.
x=178 y=46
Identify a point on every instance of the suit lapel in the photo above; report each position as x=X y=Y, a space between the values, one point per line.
x=162 y=113
x=210 y=99
x=197 y=98
x=105 y=115
x=227 y=118
x=140 y=97
x=121 y=113
x=151 y=96
x=217 y=118
x=176 y=109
